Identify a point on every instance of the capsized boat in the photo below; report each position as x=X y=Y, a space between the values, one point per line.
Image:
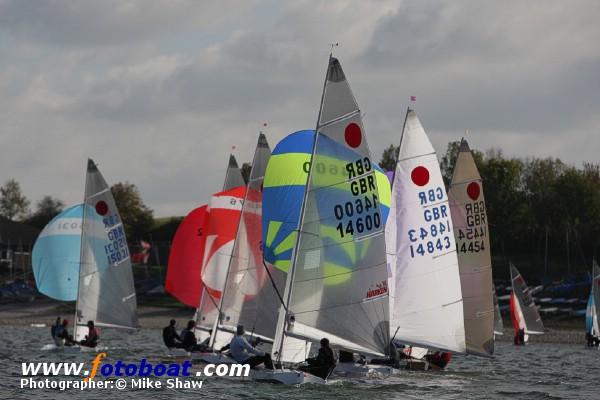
x=336 y=285
x=426 y=299
x=467 y=207
x=523 y=311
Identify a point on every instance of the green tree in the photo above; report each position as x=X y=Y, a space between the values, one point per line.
x=46 y=209
x=389 y=158
x=137 y=218
x=13 y=203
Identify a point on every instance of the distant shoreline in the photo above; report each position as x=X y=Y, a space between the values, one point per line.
x=44 y=311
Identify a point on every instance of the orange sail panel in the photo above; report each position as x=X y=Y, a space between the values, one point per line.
x=186 y=256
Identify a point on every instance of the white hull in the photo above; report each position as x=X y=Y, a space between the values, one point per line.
x=348 y=369
x=284 y=376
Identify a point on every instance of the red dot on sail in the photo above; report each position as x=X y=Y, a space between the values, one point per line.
x=101 y=207
x=420 y=176
x=353 y=135
x=473 y=190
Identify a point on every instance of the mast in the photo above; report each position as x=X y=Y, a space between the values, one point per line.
x=237 y=231
x=283 y=314
x=81 y=249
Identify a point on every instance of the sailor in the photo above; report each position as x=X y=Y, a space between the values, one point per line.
x=323 y=363
x=54 y=327
x=393 y=358
x=439 y=359
x=189 y=341
x=62 y=333
x=520 y=337
x=243 y=352
x=170 y=336
x=91 y=339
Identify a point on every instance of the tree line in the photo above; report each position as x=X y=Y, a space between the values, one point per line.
x=544 y=215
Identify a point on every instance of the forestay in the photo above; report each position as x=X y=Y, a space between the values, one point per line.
x=56 y=255
x=467 y=207
x=337 y=287
x=106 y=292
x=426 y=297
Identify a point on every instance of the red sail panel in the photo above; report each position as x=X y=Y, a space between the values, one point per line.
x=514 y=313
x=186 y=257
x=225 y=213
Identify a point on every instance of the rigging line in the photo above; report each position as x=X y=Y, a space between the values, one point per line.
x=274 y=286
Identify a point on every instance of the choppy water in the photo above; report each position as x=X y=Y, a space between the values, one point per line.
x=537 y=371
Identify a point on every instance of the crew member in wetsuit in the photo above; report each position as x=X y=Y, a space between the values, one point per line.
x=63 y=333
x=188 y=338
x=439 y=359
x=53 y=328
x=592 y=341
x=170 y=336
x=242 y=351
x=91 y=339
x=393 y=359
x=520 y=337
x=323 y=363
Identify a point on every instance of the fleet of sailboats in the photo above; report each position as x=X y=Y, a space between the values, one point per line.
x=318 y=243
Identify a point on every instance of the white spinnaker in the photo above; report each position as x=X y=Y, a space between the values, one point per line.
x=337 y=285
x=106 y=293
x=526 y=308
x=467 y=206
x=426 y=305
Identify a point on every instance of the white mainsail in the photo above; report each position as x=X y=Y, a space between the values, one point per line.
x=498 y=324
x=425 y=297
x=467 y=207
x=337 y=283
x=106 y=293
x=591 y=315
x=524 y=312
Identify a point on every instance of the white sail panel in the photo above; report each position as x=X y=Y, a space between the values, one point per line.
x=106 y=292
x=426 y=307
x=526 y=308
x=467 y=207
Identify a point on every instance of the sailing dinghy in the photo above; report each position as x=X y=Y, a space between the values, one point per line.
x=336 y=285
x=82 y=255
x=523 y=311
x=591 y=311
x=467 y=207
x=426 y=302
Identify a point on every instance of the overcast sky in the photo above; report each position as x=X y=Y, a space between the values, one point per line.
x=157 y=92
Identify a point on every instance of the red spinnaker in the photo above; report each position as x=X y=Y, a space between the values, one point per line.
x=185 y=259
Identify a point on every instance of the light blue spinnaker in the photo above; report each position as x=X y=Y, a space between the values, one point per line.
x=56 y=255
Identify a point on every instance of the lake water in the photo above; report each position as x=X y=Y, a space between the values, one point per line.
x=536 y=371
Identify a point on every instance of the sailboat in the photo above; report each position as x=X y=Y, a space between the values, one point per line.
x=498 y=323
x=101 y=276
x=426 y=301
x=336 y=285
x=591 y=312
x=187 y=251
x=467 y=207
x=523 y=311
